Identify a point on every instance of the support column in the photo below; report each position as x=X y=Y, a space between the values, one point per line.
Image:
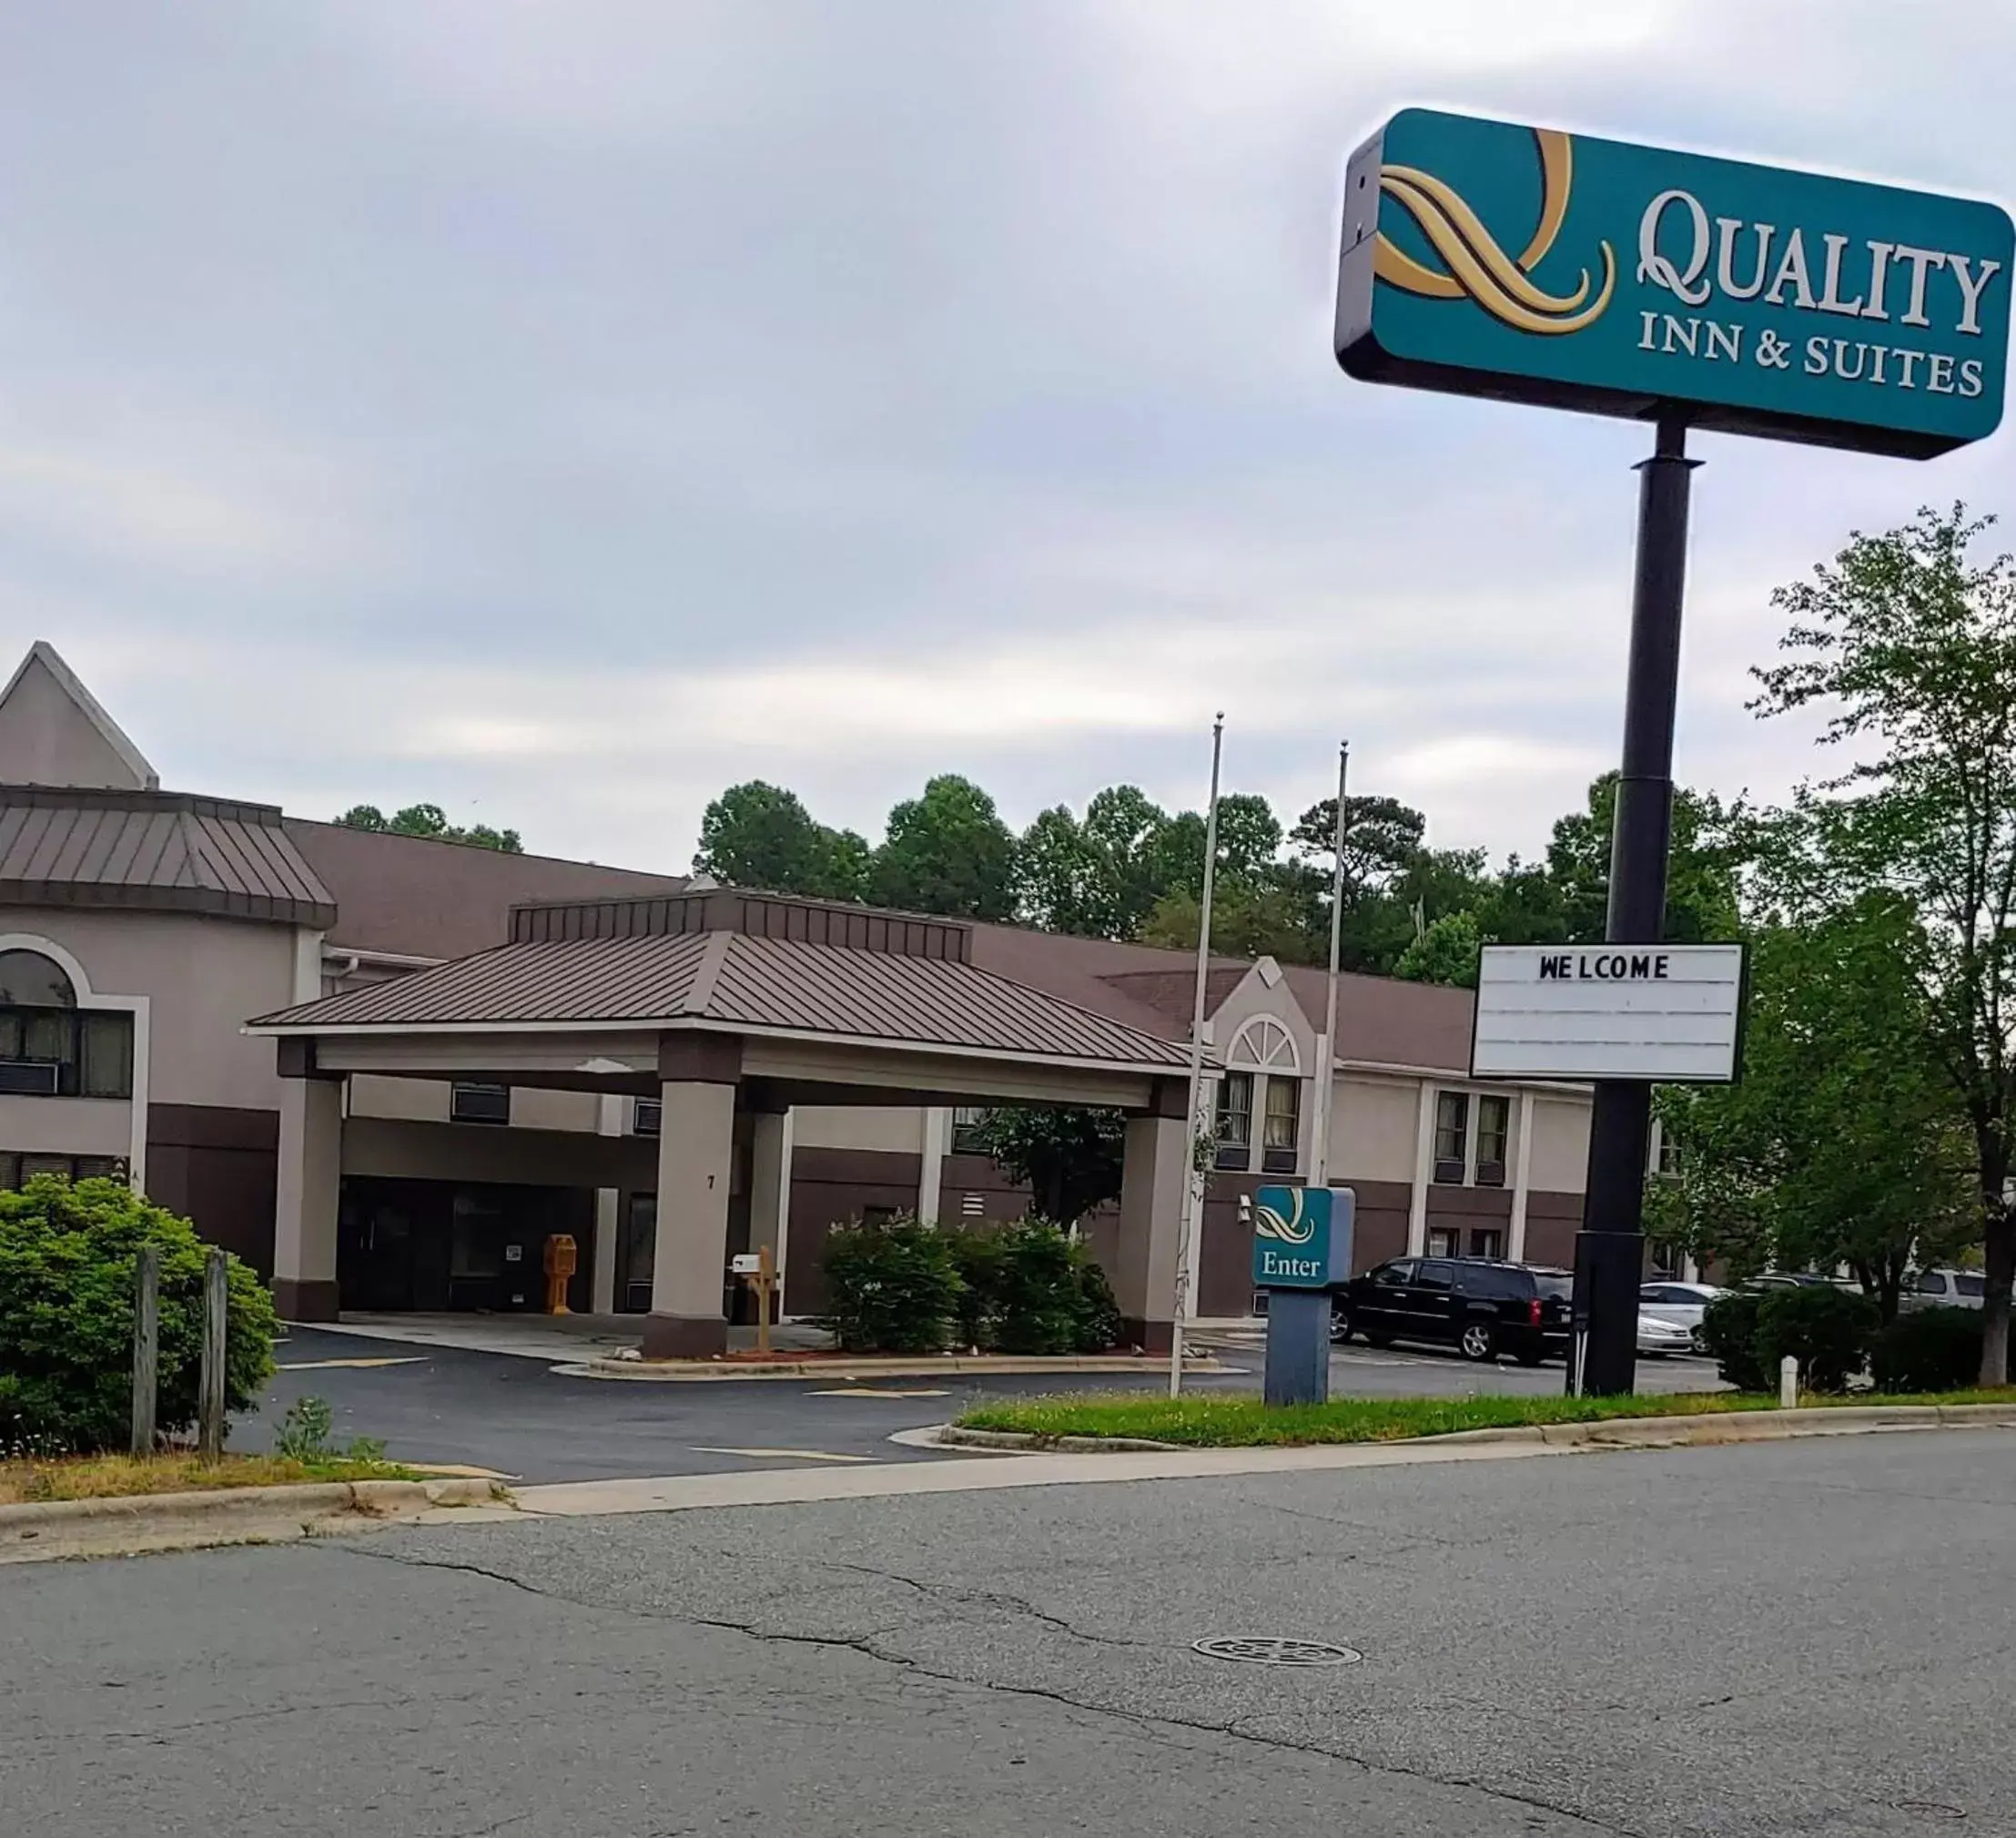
x=1425 y=1170
x=697 y=1074
x=1156 y=1152
x=311 y=1179
x=937 y=1144
x=602 y=1284
x=1522 y=1178
x=770 y=1187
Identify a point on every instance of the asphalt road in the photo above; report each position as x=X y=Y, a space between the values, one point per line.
x=1812 y=1638
x=519 y=1417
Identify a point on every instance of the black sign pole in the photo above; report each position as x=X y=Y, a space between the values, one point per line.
x=1609 y=1260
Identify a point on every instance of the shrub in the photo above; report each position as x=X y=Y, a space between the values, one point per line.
x=1728 y=1331
x=1030 y=1287
x=1826 y=1330
x=67 y=1255
x=1929 y=1349
x=892 y=1286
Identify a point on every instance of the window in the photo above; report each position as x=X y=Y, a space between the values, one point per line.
x=1281 y=1126
x=1494 y=1126
x=1487 y=1242
x=1930 y=1282
x=637 y=1251
x=1667 y=1162
x=1452 y=1137
x=1394 y=1275
x=1488 y=1284
x=1442 y=1241
x=476 y=1103
x=1235 y=1120
x=1436 y=1274
x=1971 y=1285
x=17 y=1167
x=49 y=1048
x=967 y=1122
x=650 y=1117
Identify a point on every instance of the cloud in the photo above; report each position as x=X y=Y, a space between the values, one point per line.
x=560 y=410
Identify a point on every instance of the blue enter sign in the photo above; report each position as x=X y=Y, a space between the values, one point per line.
x=1301 y=1236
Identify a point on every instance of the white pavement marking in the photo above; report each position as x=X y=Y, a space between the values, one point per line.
x=794 y=1454
x=864 y=1391
x=348 y=1365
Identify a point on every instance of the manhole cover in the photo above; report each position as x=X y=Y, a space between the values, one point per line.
x=1270 y=1650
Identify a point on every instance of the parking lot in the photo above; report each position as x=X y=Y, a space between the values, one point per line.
x=517 y=1417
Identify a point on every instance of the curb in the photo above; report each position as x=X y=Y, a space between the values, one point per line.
x=1617 y=1432
x=719 y=1372
x=39 y=1531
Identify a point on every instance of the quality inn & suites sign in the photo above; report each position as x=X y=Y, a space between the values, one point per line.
x=1538 y=266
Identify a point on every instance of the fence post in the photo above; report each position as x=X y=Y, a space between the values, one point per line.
x=146 y=1299
x=1788 y=1383
x=209 y=1422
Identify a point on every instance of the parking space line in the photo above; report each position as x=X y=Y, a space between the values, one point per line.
x=790 y=1454
x=346 y=1365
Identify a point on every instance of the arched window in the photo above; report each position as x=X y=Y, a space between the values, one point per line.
x=49 y=1048
x=30 y=981
x=1263 y=1041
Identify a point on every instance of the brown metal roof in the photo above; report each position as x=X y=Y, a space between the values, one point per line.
x=419 y=897
x=154 y=851
x=735 y=980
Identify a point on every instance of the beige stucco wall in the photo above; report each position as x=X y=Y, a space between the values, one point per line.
x=66 y=1126
x=1560 y=1161
x=47 y=739
x=1373 y=1124
x=204 y=977
x=858 y=1126
x=420 y=1100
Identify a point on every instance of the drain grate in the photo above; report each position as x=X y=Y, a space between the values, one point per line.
x=1255 y=1649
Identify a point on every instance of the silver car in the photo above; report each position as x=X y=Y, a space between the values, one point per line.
x=1943 y=1289
x=1658 y=1338
x=1682 y=1305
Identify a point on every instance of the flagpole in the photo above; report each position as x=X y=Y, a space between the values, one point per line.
x=1188 y=1220
x=1319 y=1161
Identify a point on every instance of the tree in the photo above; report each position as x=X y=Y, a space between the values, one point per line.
x=1382 y=836
x=1909 y=646
x=430 y=820
x=1069 y=1156
x=1701 y=889
x=1247 y=921
x=946 y=852
x=760 y=836
x=1446 y=952
x=1124 y=822
x=1843 y=1144
x=1066 y=880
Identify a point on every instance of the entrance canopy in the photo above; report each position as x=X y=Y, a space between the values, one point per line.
x=723 y=1003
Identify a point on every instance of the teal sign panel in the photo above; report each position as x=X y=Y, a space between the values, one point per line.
x=1301 y=1236
x=1534 y=265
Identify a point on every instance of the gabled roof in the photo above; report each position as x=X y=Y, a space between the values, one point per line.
x=159 y=851
x=54 y=731
x=734 y=980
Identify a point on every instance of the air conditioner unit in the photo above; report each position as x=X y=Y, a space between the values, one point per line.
x=29 y=1078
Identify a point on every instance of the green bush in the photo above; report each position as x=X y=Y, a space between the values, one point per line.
x=1728 y=1331
x=67 y=1255
x=1929 y=1349
x=1031 y=1288
x=1826 y=1330
x=892 y=1286
x=1100 y=1313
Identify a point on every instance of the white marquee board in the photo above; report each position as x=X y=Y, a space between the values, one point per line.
x=1668 y=1013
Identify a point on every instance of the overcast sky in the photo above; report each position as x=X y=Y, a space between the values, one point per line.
x=562 y=408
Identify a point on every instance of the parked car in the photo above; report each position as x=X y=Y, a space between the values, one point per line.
x=1656 y=1338
x=1682 y=1303
x=1943 y=1289
x=1481 y=1307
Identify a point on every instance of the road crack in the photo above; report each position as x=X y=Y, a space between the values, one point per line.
x=1151 y=1726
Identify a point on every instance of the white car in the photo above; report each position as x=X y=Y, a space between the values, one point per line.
x=1681 y=1304
x=1656 y=1338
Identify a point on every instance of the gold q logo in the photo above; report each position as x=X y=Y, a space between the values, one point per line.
x=1297 y=1227
x=1474 y=264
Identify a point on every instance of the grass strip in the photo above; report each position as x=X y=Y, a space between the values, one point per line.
x=113 y=1477
x=1238 y=1420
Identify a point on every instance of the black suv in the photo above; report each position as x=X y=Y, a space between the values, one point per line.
x=1478 y=1305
